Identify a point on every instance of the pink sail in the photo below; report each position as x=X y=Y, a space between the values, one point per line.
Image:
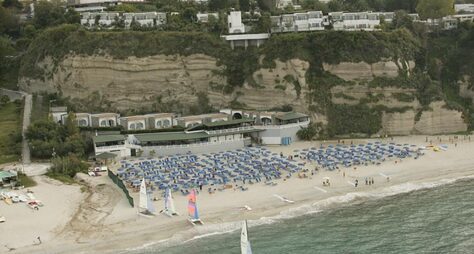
x=192 y=207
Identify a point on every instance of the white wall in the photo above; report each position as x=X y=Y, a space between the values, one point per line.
x=208 y=147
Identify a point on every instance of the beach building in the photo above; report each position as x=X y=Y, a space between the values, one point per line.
x=8 y=178
x=148 y=122
x=94 y=120
x=234 y=23
x=229 y=129
x=56 y=113
x=276 y=128
x=112 y=142
x=190 y=121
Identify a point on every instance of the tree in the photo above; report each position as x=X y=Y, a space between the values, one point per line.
x=244 y=5
x=68 y=165
x=12 y=4
x=124 y=8
x=189 y=14
x=266 y=5
x=72 y=16
x=315 y=5
x=9 y=22
x=401 y=19
x=49 y=14
x=435 y=9
x=264 y=24
x=71 y=124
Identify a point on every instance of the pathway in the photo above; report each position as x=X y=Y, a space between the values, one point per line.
x=26 y=158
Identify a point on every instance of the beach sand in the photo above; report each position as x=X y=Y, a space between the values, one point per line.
x=102 y=221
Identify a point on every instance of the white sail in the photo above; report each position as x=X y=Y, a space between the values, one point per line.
x=145 y=201
x=169 y=203
x=143 y=196
x=244 y=240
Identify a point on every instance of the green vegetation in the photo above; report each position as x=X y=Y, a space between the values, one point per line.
x=344 y=96
x=25 y=180
x=311 y=132
x=65 y=168
x=344 y=119
x=48 y=139
x=435 y=9
x=403 y=97
x=10 y=132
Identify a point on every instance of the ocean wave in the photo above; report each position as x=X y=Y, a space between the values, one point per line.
x=306 y=209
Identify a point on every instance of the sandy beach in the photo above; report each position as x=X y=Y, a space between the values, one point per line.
x=100 y=220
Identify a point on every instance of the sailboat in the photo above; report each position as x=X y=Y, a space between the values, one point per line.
x=192 y=209
x=145 y=204
x=169 y=204
x=244 y=240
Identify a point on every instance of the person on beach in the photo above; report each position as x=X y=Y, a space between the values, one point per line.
x=39 y=240
x=366 y=181
x=373 y=180
x=344 y=174
x=356 y=183
x=388 y=179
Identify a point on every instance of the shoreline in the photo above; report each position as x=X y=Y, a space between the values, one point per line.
x=220 y=212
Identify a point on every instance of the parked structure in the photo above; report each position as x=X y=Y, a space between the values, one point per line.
x=297 y=22
x=8 y=178
x=146 y=19
x=357 y=21
x=56 y=113
x=234 y=23
x=111 y=19
x=245 y=40
x=464 y=8
x=94 y=120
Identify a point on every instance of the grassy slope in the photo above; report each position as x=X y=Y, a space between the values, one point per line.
x=10 y=124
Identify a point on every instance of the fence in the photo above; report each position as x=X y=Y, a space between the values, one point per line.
x=120 y=184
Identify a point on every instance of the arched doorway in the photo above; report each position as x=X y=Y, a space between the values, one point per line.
x=237 y=116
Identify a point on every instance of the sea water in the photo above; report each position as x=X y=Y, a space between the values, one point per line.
x=428 y=220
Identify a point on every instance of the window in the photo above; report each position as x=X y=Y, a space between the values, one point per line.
x=158 y=124
x=166 y=123
x=103 y=123
x=140 y=126
x=132 y=126
x=82 y=122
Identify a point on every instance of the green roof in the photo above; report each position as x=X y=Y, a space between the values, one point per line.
x=228 y=122
x=290 y=116
x=106 y=155
x=170 y=136
x=108 y=138
x=236 y=132
x=6 y=174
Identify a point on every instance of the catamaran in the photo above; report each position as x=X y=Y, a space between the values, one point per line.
x=169 y=204
x=192 y=209
x=145 y=201
x=244 y=240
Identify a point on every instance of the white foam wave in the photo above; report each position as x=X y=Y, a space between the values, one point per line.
x=228 y=227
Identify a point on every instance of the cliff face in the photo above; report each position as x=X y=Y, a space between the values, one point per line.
x=132 y=82
x=137 y=82
x=363 y=71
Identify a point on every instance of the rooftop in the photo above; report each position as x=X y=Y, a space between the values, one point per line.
x=108 y=138
x=290 y=116
x=169 y=136
x=58 y=109
x=199 y=117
